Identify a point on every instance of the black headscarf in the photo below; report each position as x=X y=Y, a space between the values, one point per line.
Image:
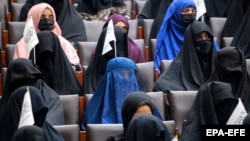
x=147 y=128
x=97 y=67
x=17 y=76
x=218 y=8
x=230 y=67
x=213 y=105
x=54 y=64
x=29 y=133
x=240 y=38
x=67 y=17
x=235 y=16
x=132 y=102
x=93 y=6
x=11 y=115
x=189 y=70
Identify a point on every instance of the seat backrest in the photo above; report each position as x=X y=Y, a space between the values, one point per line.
x=140 y=43
x=85 y=51
x=159 y=101
x=129 y=7
x=180 y=103
x=147 y=25
x=248 y=65
x=93 y=30
x=147 y=70
x=15 y=10
x=15 y=31
x=170 y=124
x=10 y=48
x=217 y=25
x=153 y=46
x=71 y=108
x=4 y=74
x=165 y=65
x=100 y=132
x=226 y=41
x=3 y=16
x=139 y=5
x=69 y=132
x=133 y=24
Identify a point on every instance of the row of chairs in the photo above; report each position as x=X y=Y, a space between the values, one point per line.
x=74 y=109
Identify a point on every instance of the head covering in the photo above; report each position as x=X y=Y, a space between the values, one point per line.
x=29 y=133
x=147 y=128
x=189 y=70
x=67 y=17
x=97 y=67
x=236 y=13
x=134 y=51
x=53 y=63
x=132 y=102
x=220 y=101
x=106 y=103
x=218 y=8
x=240 y=38
x=11 y=115
x=18 y=74
x=171 y=33
x=230 y=67
x=36 y=12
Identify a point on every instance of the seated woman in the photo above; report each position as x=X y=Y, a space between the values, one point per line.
x=68 y=18
x=134 y=51
x=9 y=121
x=97 y=67
x=171 y=34
x=213 y=105
x=194 y=64
x=230 y=67
x=44 y=19
x=118 y=82
x=54 y=55
x=22 y=72
x=136 y=103
x=147 y=128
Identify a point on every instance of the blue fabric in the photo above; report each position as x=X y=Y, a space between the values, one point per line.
x=118 y=81
x=171 y=34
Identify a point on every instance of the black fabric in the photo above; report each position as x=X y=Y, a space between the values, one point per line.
x=18 y=73
x=11 y=115
x=93 y=6
x=230 y=66
x=67 y=17
x=54 y=64
x=235 y=16
x=189 y=70
x=130 y=105
x=218 y=8
x=29 y=133
x=213 y=105
x=97 y=67
x=147 y=128
x=158 y=18
x=240 y=38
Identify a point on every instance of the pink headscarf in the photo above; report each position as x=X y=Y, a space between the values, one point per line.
x=36 y=12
